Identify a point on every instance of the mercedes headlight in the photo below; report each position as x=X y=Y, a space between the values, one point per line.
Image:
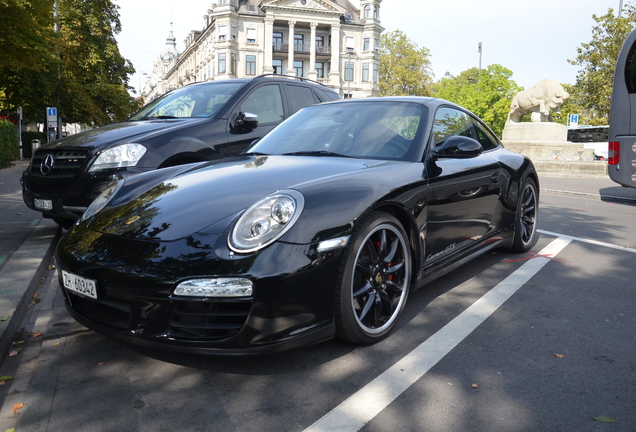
x=101 y=200
x=120 y=156
x=266 y=221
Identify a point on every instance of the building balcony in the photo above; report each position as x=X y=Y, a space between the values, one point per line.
x=301 y=49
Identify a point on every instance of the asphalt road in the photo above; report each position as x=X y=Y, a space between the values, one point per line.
x=542 y=341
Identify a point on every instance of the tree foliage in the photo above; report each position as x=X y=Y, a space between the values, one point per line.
x=405 y=69
x=79 y=69
x=597 y=59
x=487 y=93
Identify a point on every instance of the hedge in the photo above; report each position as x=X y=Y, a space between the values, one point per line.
x=9 y=147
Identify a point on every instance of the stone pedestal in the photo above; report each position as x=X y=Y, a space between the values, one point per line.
x=535 y=131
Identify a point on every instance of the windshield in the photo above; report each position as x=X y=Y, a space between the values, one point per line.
x=370 y=130
x=191 y=101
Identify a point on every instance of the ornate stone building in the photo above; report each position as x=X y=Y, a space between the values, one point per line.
x=330 y=41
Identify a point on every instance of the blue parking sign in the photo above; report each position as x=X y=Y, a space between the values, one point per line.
x=51 y=112
x=574 y=118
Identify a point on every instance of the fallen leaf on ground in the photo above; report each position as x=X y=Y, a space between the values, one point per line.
x=57 y=343
x=52 y=267
x=15 y=352
x=604 y=419
x=101 y=364
x=560 y=356
x=5 y=378
x=10 y=430
x=18 y=407
x=18 y=342
x=474 y=386
x=36 y=334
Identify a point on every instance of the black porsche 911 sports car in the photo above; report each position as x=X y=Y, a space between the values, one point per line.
x=320 y=229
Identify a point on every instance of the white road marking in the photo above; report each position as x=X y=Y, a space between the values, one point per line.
x=594 y=242
x=361 y=407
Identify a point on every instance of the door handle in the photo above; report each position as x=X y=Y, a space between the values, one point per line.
x=496 y=178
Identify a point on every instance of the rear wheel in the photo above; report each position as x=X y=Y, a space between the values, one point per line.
x=374 y=280
x=526 y=218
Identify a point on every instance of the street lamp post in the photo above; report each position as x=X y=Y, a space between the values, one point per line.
x=349 y=53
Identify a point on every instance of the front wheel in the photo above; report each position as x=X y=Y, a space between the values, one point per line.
x=374 y=279
x=527 y=217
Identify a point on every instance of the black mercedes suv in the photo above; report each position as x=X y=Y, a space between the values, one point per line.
x=198 y=122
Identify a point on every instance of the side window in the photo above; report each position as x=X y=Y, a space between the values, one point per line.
x=485 y=138
x=630 y=70
x=266 y=102
x=299 y=97
x=449 y=122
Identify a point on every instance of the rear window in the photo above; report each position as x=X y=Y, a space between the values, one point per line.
x=630 y=70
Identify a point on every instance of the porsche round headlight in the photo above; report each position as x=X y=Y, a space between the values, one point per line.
x=101 y=200
x=266 y=221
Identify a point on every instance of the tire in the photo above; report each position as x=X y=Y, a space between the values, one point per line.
x=64 y=223
x=526 y=218
x=374 y=279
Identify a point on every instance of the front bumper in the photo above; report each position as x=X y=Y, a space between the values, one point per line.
x=291 y=305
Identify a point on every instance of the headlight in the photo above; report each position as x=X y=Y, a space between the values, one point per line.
x=101 y=200
x=124 y=155
x=266 y=221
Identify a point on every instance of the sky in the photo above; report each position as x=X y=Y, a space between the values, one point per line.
x=534 y=39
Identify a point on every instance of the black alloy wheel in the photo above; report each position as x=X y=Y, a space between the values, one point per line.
x=374 y=280
x=527 y=217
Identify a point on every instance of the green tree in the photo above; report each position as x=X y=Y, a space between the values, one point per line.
x=597 y=59
x=487 y=93
x=405 y=69
x=87 y=80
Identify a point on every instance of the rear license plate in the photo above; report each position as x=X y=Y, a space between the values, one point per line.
x=80 y=285
x=43 y=204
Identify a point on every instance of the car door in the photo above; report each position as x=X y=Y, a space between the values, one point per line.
x=464 y=191
x=266 y=102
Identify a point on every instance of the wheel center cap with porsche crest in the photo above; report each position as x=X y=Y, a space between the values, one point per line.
x=378 y=278
x=47 y=164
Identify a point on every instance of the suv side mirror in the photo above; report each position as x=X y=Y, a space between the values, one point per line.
x=246 y=121
x=459 y=147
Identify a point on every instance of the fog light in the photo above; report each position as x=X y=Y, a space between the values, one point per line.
x=215 y=287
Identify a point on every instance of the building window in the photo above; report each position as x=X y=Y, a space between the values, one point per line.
x=348 y=71
x=222 y=63
x=234 y=32
x=349 y=43
x=365 y=72
x=222 y=32
x=320 y=69
x=320 y=44
x=251 y=35
x=367 y=11
x=367 y=44
x=298 y=66
x=278 y=41
x=277 y=64
x=375 y=72
x=250 y=65
x=375 y=13
x=298 y=42
x=233 y=65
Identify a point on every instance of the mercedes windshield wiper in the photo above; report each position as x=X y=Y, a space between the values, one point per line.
x=255 y=154
x=161 y=117
x=315 y=153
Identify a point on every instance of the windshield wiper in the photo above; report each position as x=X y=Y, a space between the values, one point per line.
x=255 y=154
x=315 y=153
x=161 y=117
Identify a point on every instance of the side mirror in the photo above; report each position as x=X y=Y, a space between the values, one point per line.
x=246 y=121
x=459 y=147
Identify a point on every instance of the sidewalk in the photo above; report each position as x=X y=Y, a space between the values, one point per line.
x=595 y=188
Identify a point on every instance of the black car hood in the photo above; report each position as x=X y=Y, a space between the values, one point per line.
x=217 y=191
x=128 y=131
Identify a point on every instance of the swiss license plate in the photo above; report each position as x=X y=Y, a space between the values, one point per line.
x=43 y=204
x=80 y=285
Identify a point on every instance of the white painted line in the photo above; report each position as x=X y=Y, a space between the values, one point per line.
x=594 y=242
x=361 y=407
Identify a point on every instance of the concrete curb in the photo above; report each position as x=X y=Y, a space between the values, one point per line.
x=20 y=278
x=625 y=200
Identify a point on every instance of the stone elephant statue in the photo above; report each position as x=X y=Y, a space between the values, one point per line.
x=538 y=100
